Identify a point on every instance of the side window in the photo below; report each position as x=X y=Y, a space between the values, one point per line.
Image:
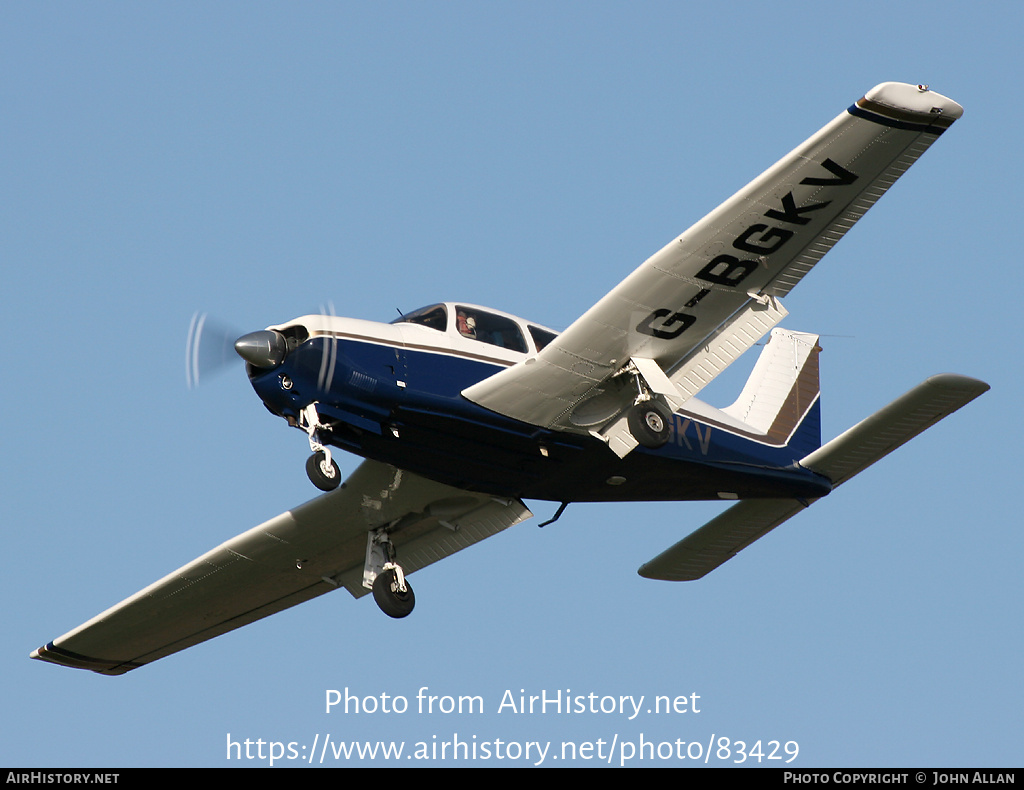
x=541 y=337
x=486 y=327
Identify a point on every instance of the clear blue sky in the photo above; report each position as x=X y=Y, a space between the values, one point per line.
x=257 y=160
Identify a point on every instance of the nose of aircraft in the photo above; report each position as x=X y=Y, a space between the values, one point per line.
x=263 y=349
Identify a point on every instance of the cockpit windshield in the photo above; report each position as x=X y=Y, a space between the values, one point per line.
x=475 y=323
x=541 y=337
x=434 y=316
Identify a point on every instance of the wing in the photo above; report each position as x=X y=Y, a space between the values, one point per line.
x=311 y=550
x=847 y=455
x=697 y=304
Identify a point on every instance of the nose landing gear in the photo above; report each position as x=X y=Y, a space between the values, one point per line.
x=321 y=469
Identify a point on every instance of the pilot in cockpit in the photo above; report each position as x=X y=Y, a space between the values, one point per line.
x=466 y=324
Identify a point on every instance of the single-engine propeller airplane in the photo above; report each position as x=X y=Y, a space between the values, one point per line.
x=462 y=412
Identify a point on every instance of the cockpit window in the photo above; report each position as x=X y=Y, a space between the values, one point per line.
x=497 y=330
x=434 y=316
x=541 y=337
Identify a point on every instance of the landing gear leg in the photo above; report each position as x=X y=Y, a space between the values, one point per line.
x=649 y=419
x=385 y=578
x=321 y=469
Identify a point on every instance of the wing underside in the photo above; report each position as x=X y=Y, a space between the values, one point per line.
x=311 y=550
x=721 y=280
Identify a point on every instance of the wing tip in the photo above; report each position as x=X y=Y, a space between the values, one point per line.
x=915 y=99
x=960 y=383
x=911 y=107
x=52 y=654
x=649 y=571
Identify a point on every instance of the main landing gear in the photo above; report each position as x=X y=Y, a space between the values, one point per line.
x=650 y=423
x=649 y=419
x=393 y=593
x=385 y=578
x=321 y=469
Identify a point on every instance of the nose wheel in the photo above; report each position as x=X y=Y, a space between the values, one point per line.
x=323 y=471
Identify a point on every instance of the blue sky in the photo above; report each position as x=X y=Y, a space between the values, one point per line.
x=257 y=160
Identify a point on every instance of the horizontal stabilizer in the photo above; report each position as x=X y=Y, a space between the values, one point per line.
x=854 y=451
x=893 y=426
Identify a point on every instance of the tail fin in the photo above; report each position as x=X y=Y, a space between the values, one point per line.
x=780 y=399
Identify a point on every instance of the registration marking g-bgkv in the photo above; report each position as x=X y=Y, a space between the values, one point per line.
x=758 y=239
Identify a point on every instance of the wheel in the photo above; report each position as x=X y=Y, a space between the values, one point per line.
x=392 y=602
x=324 y=476
x=650 y=423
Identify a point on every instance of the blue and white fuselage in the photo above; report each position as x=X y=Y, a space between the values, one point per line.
x=393 y=393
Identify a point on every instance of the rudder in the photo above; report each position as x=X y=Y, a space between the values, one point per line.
x=781 y=397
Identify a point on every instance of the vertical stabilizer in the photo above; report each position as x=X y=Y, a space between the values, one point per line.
x=782 y=389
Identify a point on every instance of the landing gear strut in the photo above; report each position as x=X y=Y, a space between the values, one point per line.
x=321 y=469
x=391 y=590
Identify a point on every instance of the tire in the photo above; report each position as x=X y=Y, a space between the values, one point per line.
x=391 y=602
x=650 y=423
x=324 y=477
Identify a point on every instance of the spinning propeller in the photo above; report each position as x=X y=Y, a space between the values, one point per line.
x=212 y=346
x=209 y=348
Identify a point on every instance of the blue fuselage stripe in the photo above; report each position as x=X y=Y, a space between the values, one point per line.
x=416 y=394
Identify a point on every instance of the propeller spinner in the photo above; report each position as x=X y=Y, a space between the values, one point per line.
x=263 y=349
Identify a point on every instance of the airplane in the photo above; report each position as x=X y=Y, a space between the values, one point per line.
x=461 y=412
